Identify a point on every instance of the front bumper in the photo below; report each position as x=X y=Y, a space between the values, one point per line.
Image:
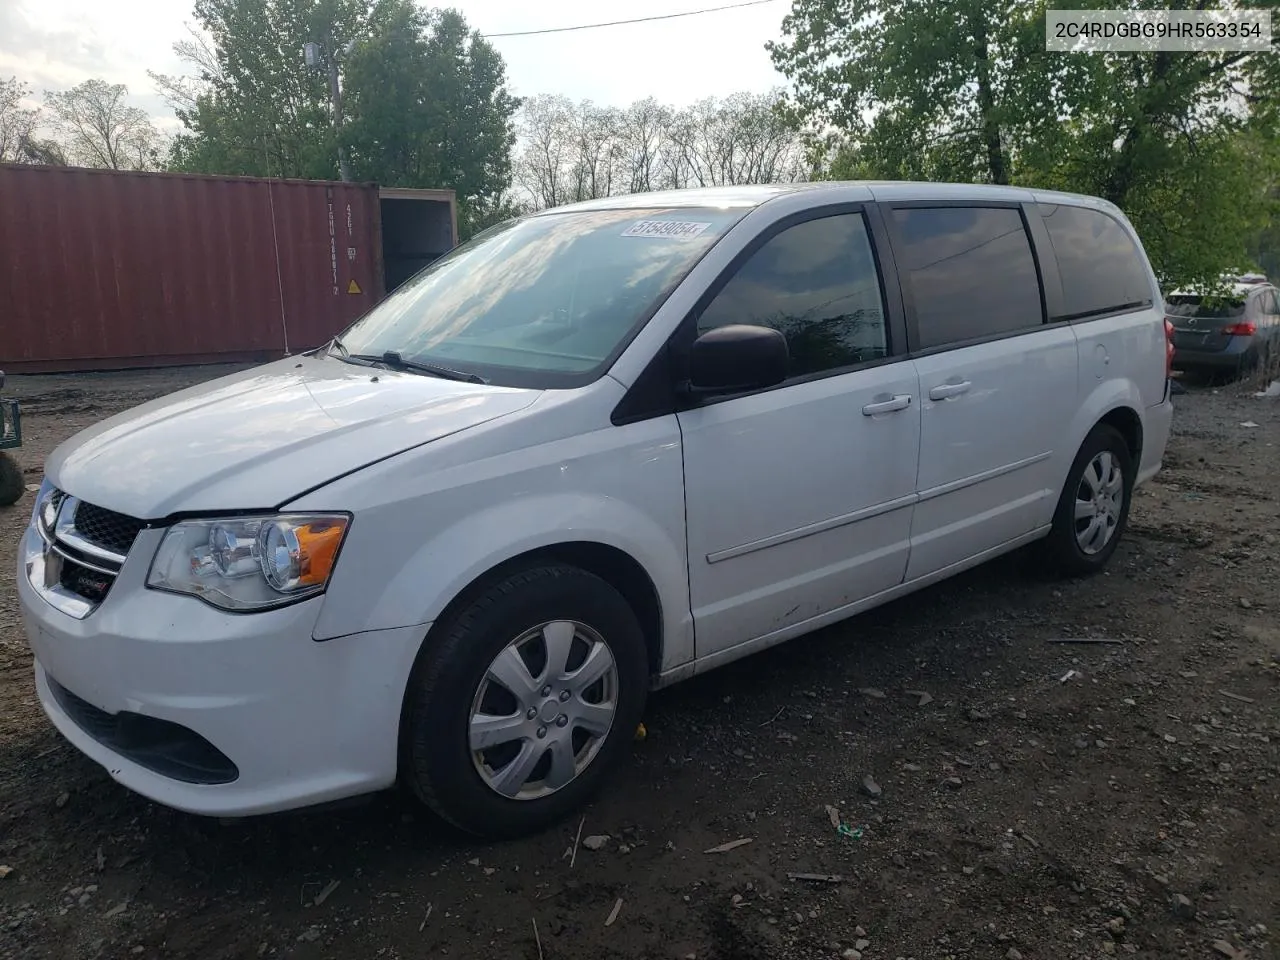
x=300 y=722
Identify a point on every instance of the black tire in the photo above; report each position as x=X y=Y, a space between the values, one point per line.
x=1062 y=547
x=12 y=483
x=1244 y=366
x=1266 y=361
x=436 y=762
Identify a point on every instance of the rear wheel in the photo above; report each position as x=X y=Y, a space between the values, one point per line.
x=523 y=701
x=11 y=481
x=1093 y=509
x=1266 y=358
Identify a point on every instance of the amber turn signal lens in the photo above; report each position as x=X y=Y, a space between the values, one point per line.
x=318 y=544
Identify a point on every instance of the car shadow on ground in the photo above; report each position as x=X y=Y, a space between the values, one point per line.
x=938 y=633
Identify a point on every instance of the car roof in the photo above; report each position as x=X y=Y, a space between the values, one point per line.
x=1238 y=290
x=750 y=196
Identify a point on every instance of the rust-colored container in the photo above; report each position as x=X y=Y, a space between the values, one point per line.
x=108 y=270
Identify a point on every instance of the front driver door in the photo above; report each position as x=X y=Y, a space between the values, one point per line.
x=799 y=497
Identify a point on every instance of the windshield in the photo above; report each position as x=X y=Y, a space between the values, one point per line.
x=1206 y=308
x=545 y=301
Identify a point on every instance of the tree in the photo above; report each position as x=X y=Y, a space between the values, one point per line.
x=744 y=138
x=425 y=100
x=430 y=107
x=1184 y=143
x=1264 y=247
x=928 y=89
x=645 y=126
x=581 y=151
x=546 y=122
x=98 y=128
x=252 y=107
x=17 y=123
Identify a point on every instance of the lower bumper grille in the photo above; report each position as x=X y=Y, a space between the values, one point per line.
x=84 y=581
x=161 y=746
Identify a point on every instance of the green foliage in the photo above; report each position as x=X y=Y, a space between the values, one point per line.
x=1185 y=143
x=257 y=109
x=928 y=89
x=429 y=107
x=1264 y=246
x=425 y=101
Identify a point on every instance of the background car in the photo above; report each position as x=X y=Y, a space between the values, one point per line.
x=1227 y=333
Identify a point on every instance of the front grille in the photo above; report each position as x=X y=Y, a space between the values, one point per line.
x=106 y=528
x=161 y=746
x=91 y=543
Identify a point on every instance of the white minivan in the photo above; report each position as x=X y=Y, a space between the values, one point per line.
x=591 y=452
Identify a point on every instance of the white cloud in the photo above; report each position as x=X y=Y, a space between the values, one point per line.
x=675 y=61
x=54 y=44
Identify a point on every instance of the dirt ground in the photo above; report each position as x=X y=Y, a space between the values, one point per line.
x=1004 y=795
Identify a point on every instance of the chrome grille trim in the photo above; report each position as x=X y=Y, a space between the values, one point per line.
x=66 y=544
x=73 y=539
x=58 y=548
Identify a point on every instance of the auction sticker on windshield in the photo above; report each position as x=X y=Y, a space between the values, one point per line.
x=679 y=229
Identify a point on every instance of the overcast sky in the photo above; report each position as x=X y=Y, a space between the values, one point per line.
x=54 y=44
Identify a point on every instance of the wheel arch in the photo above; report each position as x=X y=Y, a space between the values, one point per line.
x=1125 y=421
x=611 y=564
x=1116 y=403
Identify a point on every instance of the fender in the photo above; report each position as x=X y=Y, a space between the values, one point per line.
x=1105 y=398
x=434 y=520
x=447 y=563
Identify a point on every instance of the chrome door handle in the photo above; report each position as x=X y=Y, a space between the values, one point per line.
x=900 y=402
x=947 y=390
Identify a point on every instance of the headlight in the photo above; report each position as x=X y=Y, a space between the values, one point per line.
x=45 y=512
x=249 y=563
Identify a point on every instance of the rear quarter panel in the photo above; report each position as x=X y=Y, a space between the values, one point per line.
x=1122 y=357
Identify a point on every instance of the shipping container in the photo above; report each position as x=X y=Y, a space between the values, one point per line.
x=103 y=270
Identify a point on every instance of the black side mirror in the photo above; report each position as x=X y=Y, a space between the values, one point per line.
x=737 y=358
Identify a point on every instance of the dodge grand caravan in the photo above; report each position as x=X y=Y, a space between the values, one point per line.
x=591 y=452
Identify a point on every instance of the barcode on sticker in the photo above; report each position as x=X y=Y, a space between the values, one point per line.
x=679 y=229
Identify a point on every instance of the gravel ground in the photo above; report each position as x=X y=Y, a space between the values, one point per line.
x=1001 y=795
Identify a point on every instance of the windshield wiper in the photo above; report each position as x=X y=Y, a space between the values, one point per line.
x=393 y=359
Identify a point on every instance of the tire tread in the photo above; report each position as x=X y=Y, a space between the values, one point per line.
x=1059 y=549
x=440 y=649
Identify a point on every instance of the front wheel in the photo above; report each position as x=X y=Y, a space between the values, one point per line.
x=523 y=701
x=1093 y=509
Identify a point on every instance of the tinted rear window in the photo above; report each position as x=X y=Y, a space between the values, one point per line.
x=970 y=271
x=1207 y=308
x=1101 y=268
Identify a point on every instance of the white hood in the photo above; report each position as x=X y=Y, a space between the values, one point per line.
x=255 y=440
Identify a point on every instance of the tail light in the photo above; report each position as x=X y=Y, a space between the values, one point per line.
x=1168 y=348
x=1241 y=330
